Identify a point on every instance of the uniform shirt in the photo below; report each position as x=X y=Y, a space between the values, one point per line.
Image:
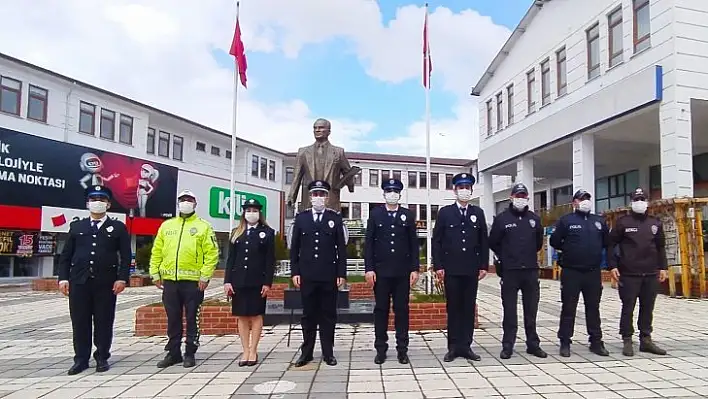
x=251 y=260
x=460 y=244
x=516 y=237
x=391 y=246
x=318 y=249
x=581 y=237
x=640 y=239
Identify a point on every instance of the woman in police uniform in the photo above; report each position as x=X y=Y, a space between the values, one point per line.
x=248 y=276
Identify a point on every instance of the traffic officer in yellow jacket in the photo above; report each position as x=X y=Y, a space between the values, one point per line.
x=184 y=256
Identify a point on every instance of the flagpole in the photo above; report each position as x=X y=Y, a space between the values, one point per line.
x=428 y=215
x=232 y=201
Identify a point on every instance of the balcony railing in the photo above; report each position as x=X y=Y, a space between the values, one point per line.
x=354 y=267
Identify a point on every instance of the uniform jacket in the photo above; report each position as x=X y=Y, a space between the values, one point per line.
x=104 y=256
x=460 y=244
x=581 y=237
x=251 y=261
x=184 y=249
x=640 y=239
x=516 y=237
x=317 y=250
x=391 y=246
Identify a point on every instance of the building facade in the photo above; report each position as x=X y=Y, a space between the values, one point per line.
x=604 y=95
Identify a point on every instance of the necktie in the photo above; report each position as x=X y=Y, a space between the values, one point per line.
x=94 y=225
x=248 y=232
x=463 y=211
x=319 y=217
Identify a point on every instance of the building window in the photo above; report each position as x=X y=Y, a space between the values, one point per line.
x=10 y=95
x=289 y=211
x=151 y=141
x=227 y=154
x=271 y=170
x=412 y=179
x=423 y=212
x=385 y=175
x=37 y=104
x=500 y=112
x=163 y=144
x=108 y=124
x=562 y=195
x=397 y=175
x=357 y=179
x=423 y=180
x=561 y=72
x=434 y=212
x=177 y=148
x=448 y=181
x=593 y=40
x=373 y=178
x=87 y=118
x=215 y=151
x=434 y=181
x=254 y=166
x=531 y=90
x=264 y=169
x=642 y=28
x=613 y=192
x=356 y=210
x=489 y=118
x=201 y=146
x=545 y=82
x=289 y=175
x=125 y=130
x=510 y=104
x=614 y=21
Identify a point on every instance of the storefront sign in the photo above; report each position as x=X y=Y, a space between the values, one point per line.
x=57 y=220
x=22 y=243
x=220 y=199
x=35 y=171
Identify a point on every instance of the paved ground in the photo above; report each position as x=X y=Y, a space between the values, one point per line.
x=35 y=352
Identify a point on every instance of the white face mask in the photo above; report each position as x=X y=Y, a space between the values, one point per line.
x=392 y=198
x=318 y=203
x=252 y=217
x=520 y=203
x=464 y=194
x=97 y=206
x=639 y=206
x=186 y=207
x=585 y=206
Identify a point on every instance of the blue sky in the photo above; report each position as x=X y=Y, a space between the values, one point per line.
x=344 y=90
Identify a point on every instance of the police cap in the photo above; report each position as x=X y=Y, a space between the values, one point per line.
x=318 y=185
x=463 y=178
x=392 y=184
x=519 y=189
x=581 y=195
x=252 y=203
x=99 y=191
x=638 y=195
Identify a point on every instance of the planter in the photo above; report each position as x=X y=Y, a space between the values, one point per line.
x=293 y=300
x=360 y=291
x=277 y=291
x=214 y=319
x=427 y=316
x=139 y=280
x=545 y=273
x=45 y=284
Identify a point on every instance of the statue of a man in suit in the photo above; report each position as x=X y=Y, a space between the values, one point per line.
x=321 y=161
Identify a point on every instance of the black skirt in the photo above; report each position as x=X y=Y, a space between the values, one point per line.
x=248 y=302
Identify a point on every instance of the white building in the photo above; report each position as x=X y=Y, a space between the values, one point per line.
x=605 y=95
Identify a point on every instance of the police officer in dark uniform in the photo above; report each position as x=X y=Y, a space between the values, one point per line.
x=642 y=265
x=461 y=258
x=318 y=264
x=391 y=258
x=93 y=268
x=516 y=237
x=580 y=237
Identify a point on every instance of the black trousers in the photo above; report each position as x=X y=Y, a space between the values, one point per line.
x=573 y=283
x=182 y=299
x=630 y=289
x=385 y=289
x=461 y=295
x=319 y=308
x=92 y=307
x=527 y=282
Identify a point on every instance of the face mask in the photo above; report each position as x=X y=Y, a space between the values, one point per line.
x=392 y=198
x=186 y=207
x=252 y=217
x=520 y=203
x=639 y=206
x=464 y=194
x=585 y=206
x=97 y=206
x=318 y=203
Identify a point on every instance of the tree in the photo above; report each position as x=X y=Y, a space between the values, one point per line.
x=281 y=248
x=142 y=258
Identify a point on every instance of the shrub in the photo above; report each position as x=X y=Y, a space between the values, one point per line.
x=281 y=248
x=142 y=258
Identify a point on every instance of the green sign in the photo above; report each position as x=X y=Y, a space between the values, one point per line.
x=219 y=199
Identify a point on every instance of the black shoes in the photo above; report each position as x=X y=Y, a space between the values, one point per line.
x=506 y=353
x=102 y=366
x=403 y=358
x=470 y=355
x=303 y=360
x=189 y=361
x=598 y=348
x=380 y=358
x=330 y=360
x=538 y=352
x=77 y=368
x=565 y=350
x=648 y=346
x=449 y=356
x=168 y=361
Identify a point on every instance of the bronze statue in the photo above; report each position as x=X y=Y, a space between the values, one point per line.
x=322 y=161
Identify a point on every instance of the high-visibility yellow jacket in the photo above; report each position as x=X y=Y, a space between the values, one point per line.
x=184 y=249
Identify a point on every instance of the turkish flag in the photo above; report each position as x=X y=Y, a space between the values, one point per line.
x=125 y=185
x=58 y=220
